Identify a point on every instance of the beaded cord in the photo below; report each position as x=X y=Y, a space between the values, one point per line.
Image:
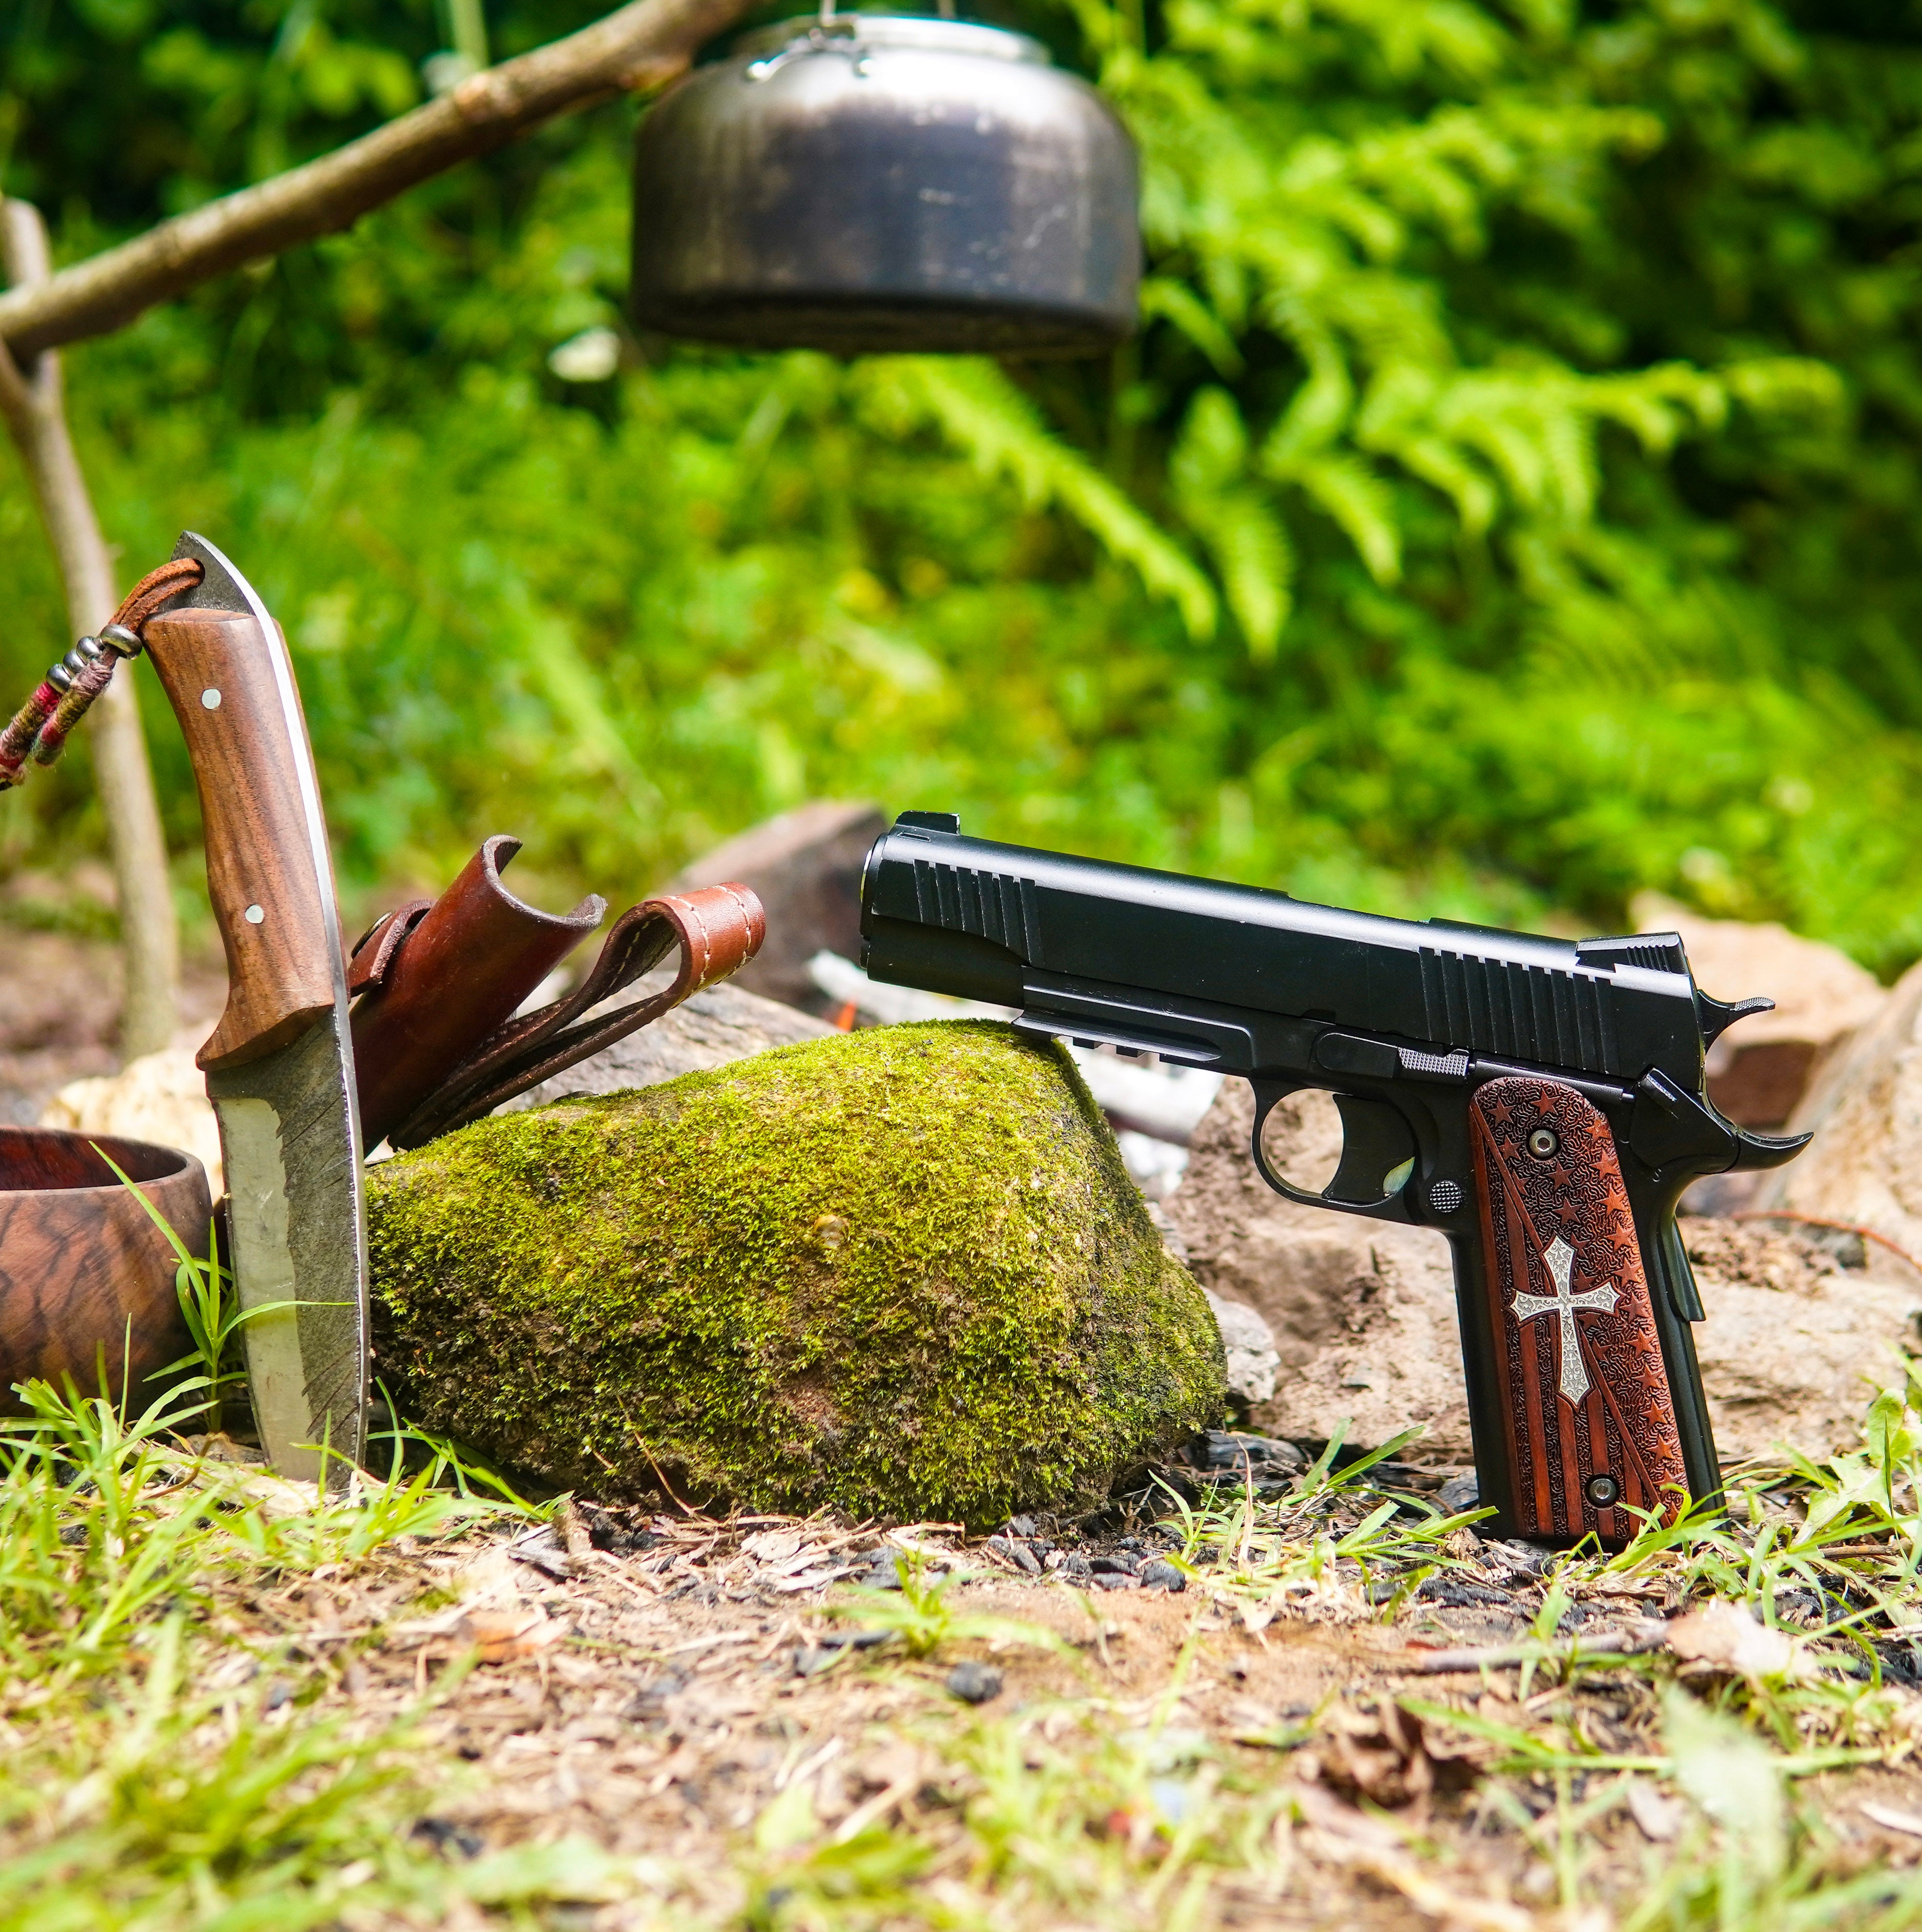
x=38 y=732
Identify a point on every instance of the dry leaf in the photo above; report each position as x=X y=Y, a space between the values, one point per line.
x=807 y=1579
x=489 y=1578
x=278 y=1497
x=1344 y=1836
x=503 y=1634
x=1890 y=1819
x=1378 y=1754
x=777 y=1546
x=1727 y=1636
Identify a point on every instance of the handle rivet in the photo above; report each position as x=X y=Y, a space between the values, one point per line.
x=1603 y=1490
x=210 y=699
x=1541 y=1143
x=255 y=914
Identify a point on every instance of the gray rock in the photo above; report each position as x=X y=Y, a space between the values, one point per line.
x=1237 y=1454
x=1361 y=1314
x=722 y=1023
x=1250 y=1345
x=1865 y=1111
x=1162 y=1576
x=1018 y=1554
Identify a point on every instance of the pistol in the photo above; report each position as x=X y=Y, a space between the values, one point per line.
x=1541 y=1103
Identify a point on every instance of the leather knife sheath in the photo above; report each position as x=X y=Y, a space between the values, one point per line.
x=439 y=1038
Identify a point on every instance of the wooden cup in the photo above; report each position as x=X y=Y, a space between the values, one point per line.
x=85 y=1277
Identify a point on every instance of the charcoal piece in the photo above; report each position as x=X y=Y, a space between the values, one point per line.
x=974 y=1683
x=1018 y=1554
x=1459 y=1595
x=1459 y=1493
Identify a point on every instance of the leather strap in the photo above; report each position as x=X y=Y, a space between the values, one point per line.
x=374 y=950
x=717 y=929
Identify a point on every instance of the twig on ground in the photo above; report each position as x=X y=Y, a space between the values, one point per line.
x=1866 y=1233
x=1605 y=1643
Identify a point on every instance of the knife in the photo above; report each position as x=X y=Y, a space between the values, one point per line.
x=280 y=1064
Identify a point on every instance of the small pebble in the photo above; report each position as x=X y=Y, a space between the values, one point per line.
x=974 y=1683
x=1160 y=1576
x=1110 y=1580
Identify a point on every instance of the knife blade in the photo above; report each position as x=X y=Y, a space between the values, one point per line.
x=279 y=1065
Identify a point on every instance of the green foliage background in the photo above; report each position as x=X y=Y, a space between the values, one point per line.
x=1509 y=503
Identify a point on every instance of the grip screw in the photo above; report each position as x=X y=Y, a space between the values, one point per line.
x=1543 y=1143
x=1603 y=1490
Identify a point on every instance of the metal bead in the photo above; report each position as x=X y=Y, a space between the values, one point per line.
x=61 y=678
x=122 y=642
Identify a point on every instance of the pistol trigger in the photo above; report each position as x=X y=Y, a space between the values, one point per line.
x=1377 y=1151
x=1763 y=1151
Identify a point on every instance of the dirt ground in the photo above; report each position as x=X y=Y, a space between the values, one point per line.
x=661 y=1687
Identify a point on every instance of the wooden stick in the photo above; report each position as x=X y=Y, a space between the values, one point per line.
x=641 y=46
x=35 y=407
x=1604 y=1643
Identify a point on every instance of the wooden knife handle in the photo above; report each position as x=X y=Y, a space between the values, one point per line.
x=218 y=672
x=1586 y=1403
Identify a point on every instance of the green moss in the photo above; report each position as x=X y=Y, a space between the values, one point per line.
x=900 y=1272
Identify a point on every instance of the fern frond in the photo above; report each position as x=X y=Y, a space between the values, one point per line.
x=1360 y=502
x=1176 y=303
x=1211 y=453
x=1318 y=410
x=978 y=409
x=1257 y=563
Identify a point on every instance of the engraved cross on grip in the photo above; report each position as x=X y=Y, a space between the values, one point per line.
x=1560 y=1259
x=1581 y=1385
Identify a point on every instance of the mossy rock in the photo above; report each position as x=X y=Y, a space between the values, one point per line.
x=901 y=1272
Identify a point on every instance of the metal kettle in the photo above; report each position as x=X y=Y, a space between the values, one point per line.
x=873 y=182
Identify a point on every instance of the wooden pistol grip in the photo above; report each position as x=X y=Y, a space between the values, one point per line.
x=219 y=674
x=1585 y=1399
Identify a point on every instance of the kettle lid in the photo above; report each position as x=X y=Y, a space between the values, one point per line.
x=915 y=32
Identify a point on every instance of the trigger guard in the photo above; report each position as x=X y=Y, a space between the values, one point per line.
x=1267 y=1098
x=1387 y=1208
